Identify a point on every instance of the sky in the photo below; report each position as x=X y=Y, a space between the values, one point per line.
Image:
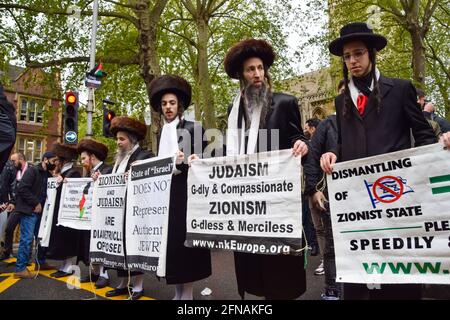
x=312 y=56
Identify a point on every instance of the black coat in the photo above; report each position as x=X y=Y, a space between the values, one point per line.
x=7 y=177
x=84 y=243
x=283 y=115
x=184 y=264
x=31 y=189
x=63 y=241
x=390 y=130
x=324 y=139
x=139 y=154
x=275 y=277
x=8 y=128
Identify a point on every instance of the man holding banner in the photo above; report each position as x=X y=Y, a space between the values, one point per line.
x=170 y=96
x=128 y=132
x=272 y=122
x=375 y=115
x=63 y=240
x=92 y=154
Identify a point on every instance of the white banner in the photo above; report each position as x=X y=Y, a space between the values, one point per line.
x=248 y=203
x=391 y=217
x=76 y=203
x=45 y=227
x=108 y=211
x=147 y=213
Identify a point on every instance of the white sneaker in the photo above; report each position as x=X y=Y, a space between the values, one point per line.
x=320 y=270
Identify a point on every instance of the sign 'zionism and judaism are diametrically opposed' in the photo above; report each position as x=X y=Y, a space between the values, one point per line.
x=107 y=246
x=391 y=217
x=248 y=203
x=76 y=203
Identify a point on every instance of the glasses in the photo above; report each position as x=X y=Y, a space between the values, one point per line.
x=357 y=54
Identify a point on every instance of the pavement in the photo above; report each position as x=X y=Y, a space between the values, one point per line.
x=221 y=284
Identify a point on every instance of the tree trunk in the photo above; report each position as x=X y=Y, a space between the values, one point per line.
x=417 y=38
x=418 y=57
x=148 y=59
x=206 y=92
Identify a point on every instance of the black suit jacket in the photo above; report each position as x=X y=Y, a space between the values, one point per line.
x=388 y=131
x=283 y=116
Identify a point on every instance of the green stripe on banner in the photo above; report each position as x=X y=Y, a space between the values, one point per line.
x=440 y=178
x=383 y=229
x=440 y=190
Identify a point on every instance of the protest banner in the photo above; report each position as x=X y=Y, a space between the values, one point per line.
x=47 y=213
x=107 y=246
x=391 y=217
x=76 y=203
x=148 y=196
x=248 y=203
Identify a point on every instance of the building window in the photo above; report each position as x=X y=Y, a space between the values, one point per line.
x=31 y=147
x=31 y=110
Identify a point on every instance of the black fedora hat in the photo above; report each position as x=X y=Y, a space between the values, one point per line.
x=357 y=31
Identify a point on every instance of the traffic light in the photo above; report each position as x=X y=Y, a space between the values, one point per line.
x=108 y=115
x=71 y=118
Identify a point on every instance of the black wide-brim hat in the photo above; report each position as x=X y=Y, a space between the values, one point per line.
x=357 y=31
x=169 y=84
x=93 y=147
x=133 y=126
x=250 y=48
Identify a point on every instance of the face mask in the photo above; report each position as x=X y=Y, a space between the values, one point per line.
x=19 y=166
x=51 y=166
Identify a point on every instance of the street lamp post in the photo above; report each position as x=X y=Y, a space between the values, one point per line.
x=90 y=105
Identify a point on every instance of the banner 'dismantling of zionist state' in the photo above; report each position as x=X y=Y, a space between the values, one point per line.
x=45 y=227
x=248 y=203
x=147 y=213
x=391 y=217
x=107 y=245
x=76 y=203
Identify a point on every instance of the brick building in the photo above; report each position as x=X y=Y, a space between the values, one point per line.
x=36 y=96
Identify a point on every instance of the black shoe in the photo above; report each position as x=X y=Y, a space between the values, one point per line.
x=87 y=278
x=137 y=295
x=60 y=274
x=116 y=292
x=101 y=282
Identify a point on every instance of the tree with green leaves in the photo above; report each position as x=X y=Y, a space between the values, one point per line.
x=417 y=31
x=138 y=40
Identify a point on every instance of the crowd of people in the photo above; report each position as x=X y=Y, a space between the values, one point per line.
x=374 y=115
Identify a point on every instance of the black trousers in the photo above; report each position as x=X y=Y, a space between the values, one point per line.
x=12 y=222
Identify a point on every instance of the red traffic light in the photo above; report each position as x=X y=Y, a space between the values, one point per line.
x=110 y=115
x=71 y=98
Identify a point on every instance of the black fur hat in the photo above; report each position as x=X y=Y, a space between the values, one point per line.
x=169 y=84
x=65 y=151
x=130 y=125
x=245 y=49
x=94 y=147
